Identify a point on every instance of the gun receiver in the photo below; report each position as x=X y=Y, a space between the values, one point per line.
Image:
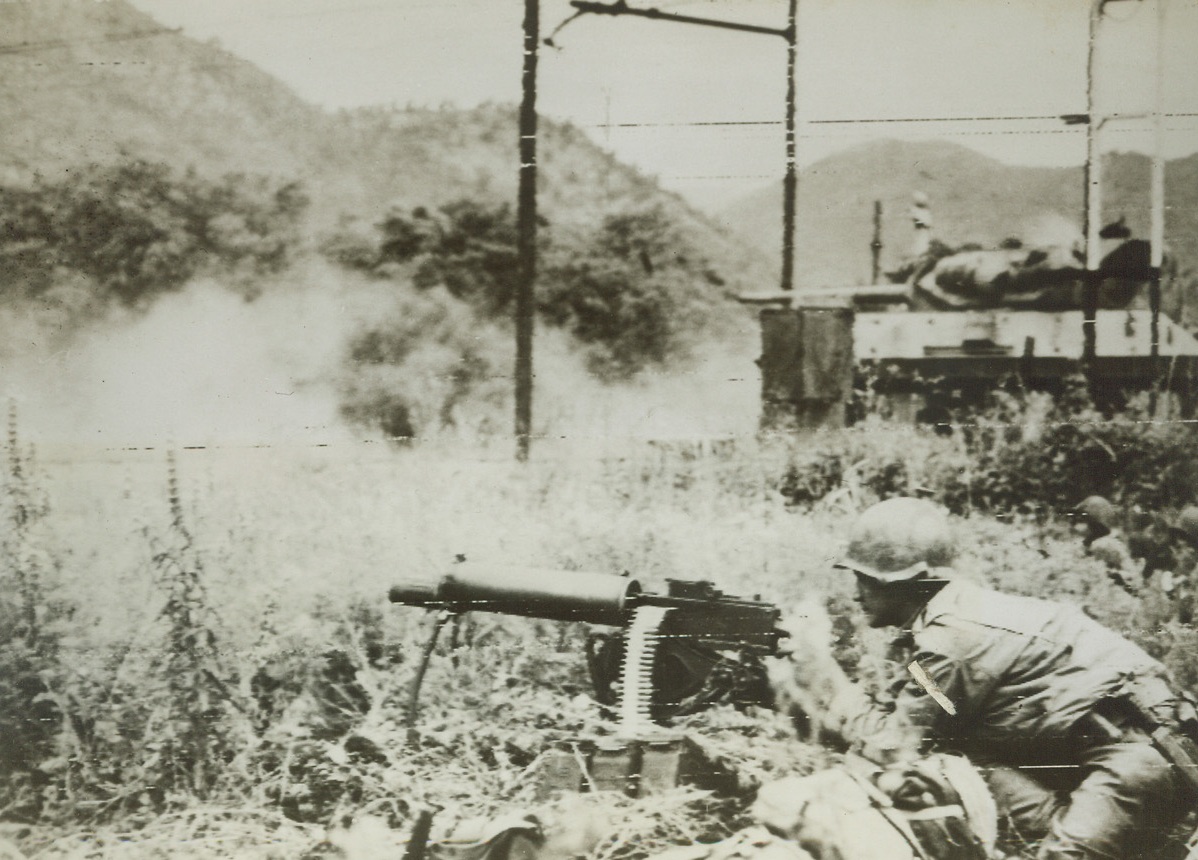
x=677 y=652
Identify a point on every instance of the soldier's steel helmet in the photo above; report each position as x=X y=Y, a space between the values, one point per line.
x=1099 y=511
x=899 y=540
x=1187 y=523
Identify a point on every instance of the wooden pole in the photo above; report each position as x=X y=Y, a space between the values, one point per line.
x=875 y=247
x=1156 y=242
x=526 y=227
x=791 y=181
x=1093 y=197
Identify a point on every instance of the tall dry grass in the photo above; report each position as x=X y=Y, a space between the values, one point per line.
x=285 y=554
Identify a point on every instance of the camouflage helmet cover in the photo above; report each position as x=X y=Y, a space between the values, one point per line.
x=1099 y=511
x=899 y=540
x=1187 y=522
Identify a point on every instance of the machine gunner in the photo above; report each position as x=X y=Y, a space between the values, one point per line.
x=1054 y=706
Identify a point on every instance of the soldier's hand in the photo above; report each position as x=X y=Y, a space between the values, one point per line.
x=808 y=629
x=806 y=678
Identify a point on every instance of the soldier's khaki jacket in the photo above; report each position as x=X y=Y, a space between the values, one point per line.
x=999 y=677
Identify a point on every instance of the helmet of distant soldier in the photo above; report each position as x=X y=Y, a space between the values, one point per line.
x=899 y=540
x=1186 y=523
x=1097 y=511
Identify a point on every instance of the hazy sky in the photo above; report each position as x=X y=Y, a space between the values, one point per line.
x=702 y=108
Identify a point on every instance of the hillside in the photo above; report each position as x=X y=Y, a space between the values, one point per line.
x=974 y=199
x=85 y=82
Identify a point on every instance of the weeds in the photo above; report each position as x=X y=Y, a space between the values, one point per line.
x=31 y=629
x=186 y=732
x=264 y=688
x=1023 y=453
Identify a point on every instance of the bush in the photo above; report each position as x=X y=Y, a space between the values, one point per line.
x=1054 y=454
x=467 y=248
x=632 y=290
x=135 y=229
x=1021 y=453
x=812 y=478
x=870 y=461
x=426 y=364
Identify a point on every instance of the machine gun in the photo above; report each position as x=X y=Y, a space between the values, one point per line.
x=675 y=653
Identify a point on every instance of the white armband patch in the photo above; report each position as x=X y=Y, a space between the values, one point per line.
x=924 y=680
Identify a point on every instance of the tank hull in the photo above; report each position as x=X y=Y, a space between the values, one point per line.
x=813 y=358
x=1034 y=344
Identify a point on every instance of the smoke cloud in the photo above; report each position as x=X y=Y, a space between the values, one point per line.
x=201 y=367
x=718 y=395
x=205 y=367
x=1051 y=228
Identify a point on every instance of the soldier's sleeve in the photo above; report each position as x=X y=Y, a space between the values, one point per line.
x=1112 y=552
x=925 y=698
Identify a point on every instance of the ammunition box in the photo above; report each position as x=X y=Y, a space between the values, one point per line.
x=638 y=768
x=560 y=771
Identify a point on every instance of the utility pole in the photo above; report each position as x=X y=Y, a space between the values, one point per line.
x=1156 y=242
x=790 y=183
x=526 y=228
x=1093 y=197
x=1095 y=120
x=790 y=33
x=875 y=247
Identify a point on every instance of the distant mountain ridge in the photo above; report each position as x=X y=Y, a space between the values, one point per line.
x=91 y=82
x=974 y=198
x=86 y=82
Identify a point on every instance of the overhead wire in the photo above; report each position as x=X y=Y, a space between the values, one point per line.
x=867 y=121
x=58 y=44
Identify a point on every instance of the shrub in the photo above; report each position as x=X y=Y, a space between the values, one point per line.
x=812 y=478
x=633 y=290
x=1053 y=457
x=135 y=229
x=426 y=364
x=32 y=624
x=467 y=248
x=1020 y=453
x=870 y=461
